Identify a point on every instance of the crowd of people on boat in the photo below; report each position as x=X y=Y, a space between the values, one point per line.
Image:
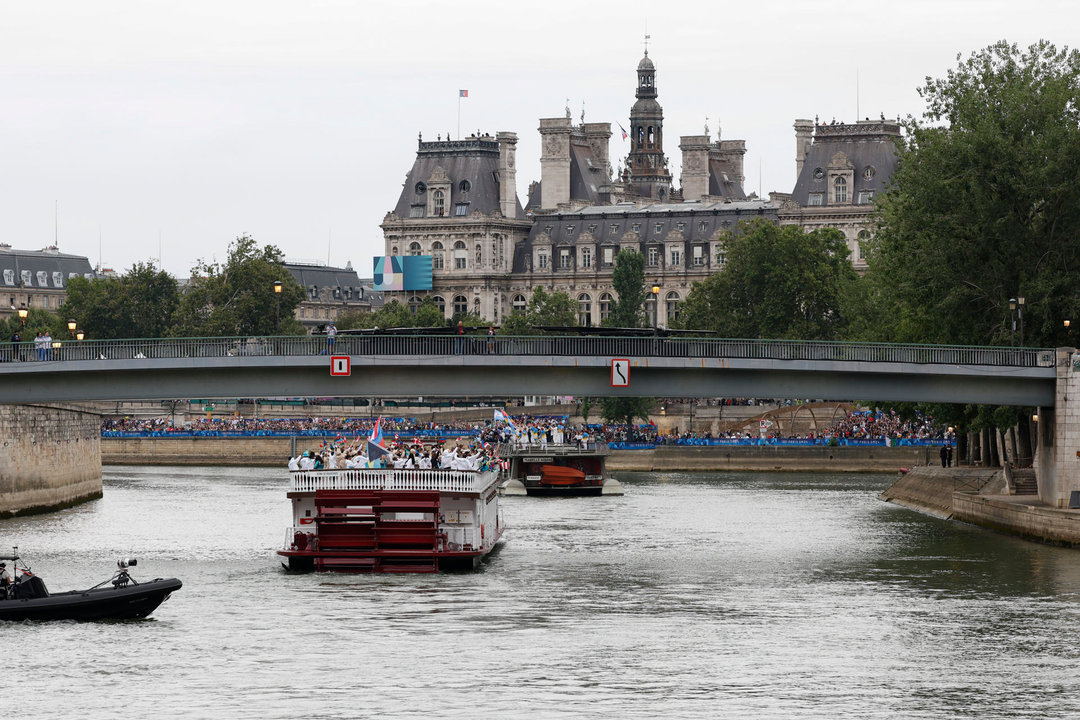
x=410 y=455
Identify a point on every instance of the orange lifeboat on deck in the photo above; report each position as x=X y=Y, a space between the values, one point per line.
x=561 y=475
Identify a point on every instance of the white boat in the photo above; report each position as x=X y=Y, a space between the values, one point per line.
x=391 y=520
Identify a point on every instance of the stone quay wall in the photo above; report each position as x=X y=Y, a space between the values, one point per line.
x=51 y=458
x=275 y=451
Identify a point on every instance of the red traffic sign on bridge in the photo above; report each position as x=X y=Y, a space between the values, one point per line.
x=340 y=365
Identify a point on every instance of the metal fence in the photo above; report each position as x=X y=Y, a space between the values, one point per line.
x=502 y=345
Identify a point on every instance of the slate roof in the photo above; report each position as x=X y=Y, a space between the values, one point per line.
x=608 y=223
x=867 y=144
x=474 y=159
x=342 y=284
x=47 y=269
x=729 y=189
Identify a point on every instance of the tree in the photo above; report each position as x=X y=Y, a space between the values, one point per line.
x=985 y=204
x=142 y=303
x=555 y=309
x=626 y=409
x=778 y=281
x=238 y=298
x=628 y=281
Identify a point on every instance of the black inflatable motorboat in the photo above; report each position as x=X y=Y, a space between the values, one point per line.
x=120 y=598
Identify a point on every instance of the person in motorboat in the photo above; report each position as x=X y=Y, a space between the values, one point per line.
x=5 y=580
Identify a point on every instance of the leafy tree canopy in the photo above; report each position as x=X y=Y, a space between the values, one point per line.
x=626 y=409
x=554 y=309
x=628 y=281
x=238 y=298
x=141 y=303
x=777 y=282
x=984 y=206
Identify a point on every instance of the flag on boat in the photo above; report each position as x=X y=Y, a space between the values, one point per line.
x=376 y=433
x=501 y=416
x=375 y=454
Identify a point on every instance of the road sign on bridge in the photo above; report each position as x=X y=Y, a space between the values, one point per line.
x=340 y=365
x=620 y=373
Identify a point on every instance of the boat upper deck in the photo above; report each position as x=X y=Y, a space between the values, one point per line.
x=467 y=482
x=541 y=453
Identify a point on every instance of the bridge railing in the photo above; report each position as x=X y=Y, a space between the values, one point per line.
x=502 y=345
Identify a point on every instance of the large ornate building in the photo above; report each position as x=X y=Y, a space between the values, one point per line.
x=37 y=278
x=459 y=205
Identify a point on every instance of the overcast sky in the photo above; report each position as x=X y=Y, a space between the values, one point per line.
x=165 y=129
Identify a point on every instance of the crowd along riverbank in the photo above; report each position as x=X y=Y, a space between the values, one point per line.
x=275 y=451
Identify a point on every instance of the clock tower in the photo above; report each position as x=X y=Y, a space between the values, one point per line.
x=646 y=165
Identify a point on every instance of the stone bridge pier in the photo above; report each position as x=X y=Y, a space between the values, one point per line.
x=1057 y=457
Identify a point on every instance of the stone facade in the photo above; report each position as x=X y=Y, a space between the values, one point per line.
x=37 y=278
x=1057 y=457
x=488 y=255
x=51 y=459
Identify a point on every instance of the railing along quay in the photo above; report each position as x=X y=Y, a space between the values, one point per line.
x=559 y=346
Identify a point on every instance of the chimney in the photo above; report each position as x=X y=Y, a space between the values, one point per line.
x=554 y=162
x=695 y=167
x=508 y=174
x=804 y=136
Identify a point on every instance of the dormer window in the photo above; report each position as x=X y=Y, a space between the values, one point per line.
x=420 y=188
x=461 y=209
x=816 y=199
x=465 y=186
x=42 y=278
x=438 y=203
x=840 y=190
x=569 y=231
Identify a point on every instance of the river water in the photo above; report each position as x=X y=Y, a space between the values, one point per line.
x=693 y=596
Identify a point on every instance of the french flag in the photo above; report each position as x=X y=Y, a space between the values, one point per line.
x=465 y=93
x=624 y=135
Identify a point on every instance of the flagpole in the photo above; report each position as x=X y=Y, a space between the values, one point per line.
x=459 y=115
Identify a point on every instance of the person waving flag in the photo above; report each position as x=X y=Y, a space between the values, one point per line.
x=376 y=432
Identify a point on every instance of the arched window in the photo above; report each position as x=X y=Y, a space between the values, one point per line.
x=840 y=190
x=672 y=306
x=438 y=203
x=460 y=258
x=860 y=245
x=652 y=136
x=440 y=303
x=414 y=248
x=436 y=255
x=605 y=306
x=461 y=305
x=518 y=303
x=414 y=304
x=584 y=310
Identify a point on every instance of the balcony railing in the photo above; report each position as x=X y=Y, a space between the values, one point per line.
x=544 y=346
x=391 y=479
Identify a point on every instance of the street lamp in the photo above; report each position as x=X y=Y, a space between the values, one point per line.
x=1012 y=332
x=23 y=312
x=1020 y=313
x=656 y=306
x=277 y=294
x=80 y=335
x=71 y=327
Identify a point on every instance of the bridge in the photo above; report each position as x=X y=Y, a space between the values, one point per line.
x=468 y=366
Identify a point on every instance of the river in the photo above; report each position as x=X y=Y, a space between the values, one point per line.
x=693 y=596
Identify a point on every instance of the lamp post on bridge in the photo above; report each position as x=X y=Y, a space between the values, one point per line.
x=656 y=306
x=1020 y=314
x=1012 y=330
x=71 y=327
x=23 y=312
x=277 y=318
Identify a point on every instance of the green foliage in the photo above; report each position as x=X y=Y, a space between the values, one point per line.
x=545 y=309
x=238 y=298
x=626 y=409
x=585 y=408
x=777 y=282
x=628 y=281
x=394 y=314
x=985 y=205
x=141 y=303
x=37 y=320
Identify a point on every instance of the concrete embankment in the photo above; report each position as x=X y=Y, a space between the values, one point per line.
x=51 y=458
x=273 y=451
x=978 y=496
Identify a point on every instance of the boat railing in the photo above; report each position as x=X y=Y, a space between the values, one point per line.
x=512 y=449
x=391 y=479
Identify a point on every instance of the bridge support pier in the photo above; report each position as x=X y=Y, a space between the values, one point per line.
x=1057 y=458
x=51 y=458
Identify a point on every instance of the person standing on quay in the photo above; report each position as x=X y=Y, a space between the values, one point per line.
x=944 y=455
x=948 y=456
